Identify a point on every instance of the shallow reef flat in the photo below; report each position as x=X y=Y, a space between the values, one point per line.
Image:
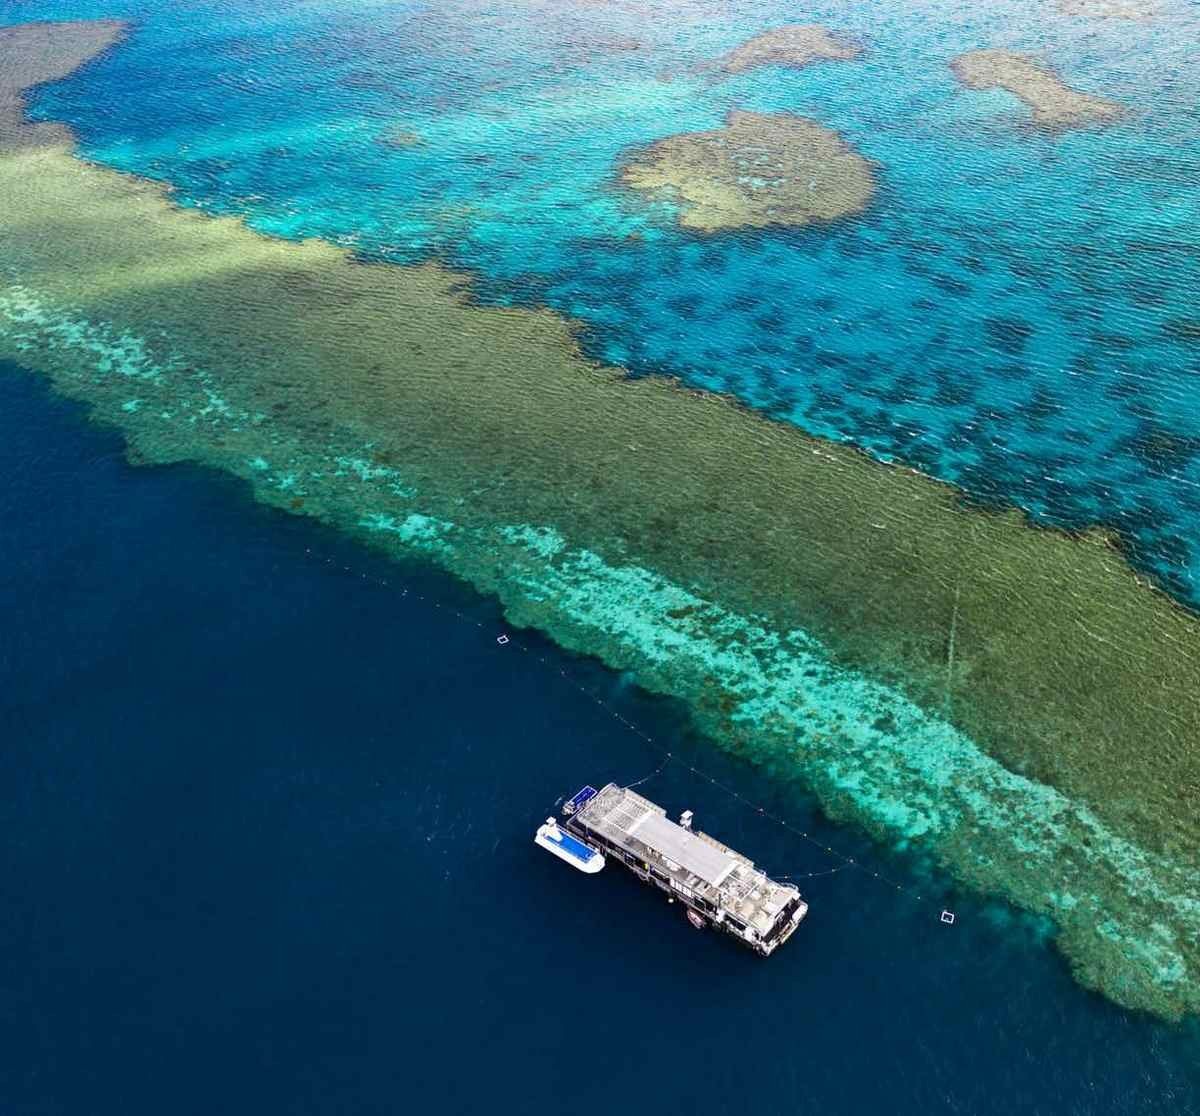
x=795 y=46
x=1054 y=104
x=1011 y=699
x=34 y=53
x=758 y=170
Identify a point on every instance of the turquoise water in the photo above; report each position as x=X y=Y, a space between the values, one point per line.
x=1015 y=312
x=1012 y=314
x=236 y=799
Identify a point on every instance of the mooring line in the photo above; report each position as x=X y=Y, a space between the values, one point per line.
x=847 y=861
x=950 y=648
x=810 y=875
x=646 y=778
x=504 y=639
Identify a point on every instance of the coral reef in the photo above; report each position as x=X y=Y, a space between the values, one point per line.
x=1054 y=104
x=1011 y=697
x=760 y=169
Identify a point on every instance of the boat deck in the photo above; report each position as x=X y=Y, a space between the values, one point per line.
x=581 y=852
x=722 y=882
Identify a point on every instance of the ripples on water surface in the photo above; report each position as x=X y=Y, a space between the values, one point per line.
x=1015 y=312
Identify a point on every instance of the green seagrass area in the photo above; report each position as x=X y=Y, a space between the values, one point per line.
x=1043 y=648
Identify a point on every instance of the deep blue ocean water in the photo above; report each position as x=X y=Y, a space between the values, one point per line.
x=268 y=848
x=268 y=819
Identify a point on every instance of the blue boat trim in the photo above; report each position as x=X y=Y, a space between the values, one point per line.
x=575 y=847
x=581 y=796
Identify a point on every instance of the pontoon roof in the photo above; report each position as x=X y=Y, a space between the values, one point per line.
x=686 y=849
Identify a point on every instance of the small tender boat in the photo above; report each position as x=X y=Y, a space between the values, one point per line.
x=574 y=851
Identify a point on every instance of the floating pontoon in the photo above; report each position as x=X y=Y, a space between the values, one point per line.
x=717 y=886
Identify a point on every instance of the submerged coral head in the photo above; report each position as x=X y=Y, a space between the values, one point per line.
x=796 y=46
x=1054 y=104
x=758 y=170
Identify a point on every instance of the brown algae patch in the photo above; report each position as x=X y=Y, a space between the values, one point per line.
x=795 y=46
x=1010 y=697
x=759 y=170
x=1054 y=104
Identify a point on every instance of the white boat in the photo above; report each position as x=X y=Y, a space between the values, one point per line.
x=568 y=848
x=717 y=886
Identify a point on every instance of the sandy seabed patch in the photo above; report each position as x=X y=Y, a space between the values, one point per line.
x=795 y=46
x=1140 y=11
x=1054 y=104
x=758 y=170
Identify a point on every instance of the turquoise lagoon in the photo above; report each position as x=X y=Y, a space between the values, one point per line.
x=1011 y=315
x=1016 y=312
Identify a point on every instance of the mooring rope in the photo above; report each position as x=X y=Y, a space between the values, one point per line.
x=657 y=771
x=950 y=648
x=762 y=811
x=811 y=875
x=504 y=639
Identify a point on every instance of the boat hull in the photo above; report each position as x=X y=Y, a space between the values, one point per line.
x=563 y=845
